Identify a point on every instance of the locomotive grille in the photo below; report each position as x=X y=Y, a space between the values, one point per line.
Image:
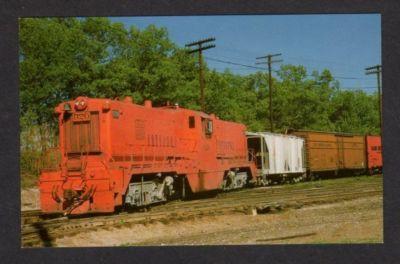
x=82 y=134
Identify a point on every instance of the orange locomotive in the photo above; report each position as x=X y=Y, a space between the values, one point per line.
x=117 y=153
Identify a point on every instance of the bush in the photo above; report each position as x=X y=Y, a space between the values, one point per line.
x=36 y=152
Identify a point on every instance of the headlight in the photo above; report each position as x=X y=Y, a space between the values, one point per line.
x=80 y=104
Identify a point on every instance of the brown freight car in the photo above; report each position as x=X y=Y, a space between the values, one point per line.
x=330 y=153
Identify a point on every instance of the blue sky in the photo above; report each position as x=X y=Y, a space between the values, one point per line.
x=344 y=44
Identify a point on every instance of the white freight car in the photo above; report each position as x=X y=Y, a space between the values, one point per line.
x=278 y=157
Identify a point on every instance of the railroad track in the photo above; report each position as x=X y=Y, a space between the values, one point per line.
x=44 y=232
x=33 y=216
x=30 y=215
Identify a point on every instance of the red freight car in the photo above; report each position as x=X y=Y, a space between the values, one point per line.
x=117 y=153
x=374 y=153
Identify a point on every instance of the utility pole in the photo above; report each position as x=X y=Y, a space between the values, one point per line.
x=377 y=69
x=199 y=49
x=269 y=64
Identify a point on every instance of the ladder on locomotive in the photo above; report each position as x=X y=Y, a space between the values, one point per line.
x=306 y=160
x=80 y=159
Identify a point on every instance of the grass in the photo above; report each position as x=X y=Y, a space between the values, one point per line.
x=331 y=182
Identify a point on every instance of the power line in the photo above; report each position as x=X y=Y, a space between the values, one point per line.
x=338 y=77
x=276 y=71
x=250 y=53
x=250 y=67
x=334 y=66
x=234 y=63
x=246 y=60
x=234 y=50
x=349 y=78
x=361 y=88
x=323 y=61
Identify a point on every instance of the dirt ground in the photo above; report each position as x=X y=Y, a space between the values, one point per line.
x=30 y=199
x=355 y=221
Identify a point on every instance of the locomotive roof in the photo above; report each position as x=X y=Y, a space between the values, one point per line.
x=170 y=107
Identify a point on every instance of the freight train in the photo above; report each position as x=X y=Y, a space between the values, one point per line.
x=115 y=153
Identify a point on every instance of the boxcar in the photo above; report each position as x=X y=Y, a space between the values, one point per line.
x=277 y=156
x=329 y=152
x=374 y=153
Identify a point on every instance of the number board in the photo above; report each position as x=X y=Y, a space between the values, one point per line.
x=80 y=117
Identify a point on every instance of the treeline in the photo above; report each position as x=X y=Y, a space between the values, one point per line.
x=62 y=58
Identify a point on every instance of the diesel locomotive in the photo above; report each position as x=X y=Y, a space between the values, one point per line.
x=116 y=153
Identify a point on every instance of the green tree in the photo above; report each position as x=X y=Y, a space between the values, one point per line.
x=63 y=58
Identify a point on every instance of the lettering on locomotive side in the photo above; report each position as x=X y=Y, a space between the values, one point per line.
x=161 y=141
x=225 y=145
x=140 y=129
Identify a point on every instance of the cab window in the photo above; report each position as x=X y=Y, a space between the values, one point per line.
x=192 y=122
x=207 y=125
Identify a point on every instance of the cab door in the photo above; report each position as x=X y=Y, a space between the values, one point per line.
x=340 y=145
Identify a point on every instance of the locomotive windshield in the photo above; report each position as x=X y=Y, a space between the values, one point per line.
x=207 y=126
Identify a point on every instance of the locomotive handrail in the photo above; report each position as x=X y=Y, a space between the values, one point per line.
x=83 y=158
x=250 y=151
